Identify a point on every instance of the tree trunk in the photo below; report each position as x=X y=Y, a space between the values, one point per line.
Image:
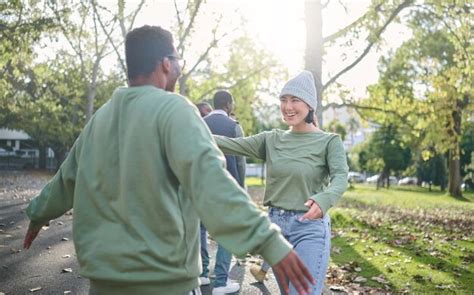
x=59 y=156
x=314 y=49
x=42 y=156
x=183 y=87
x=90 y=103
x=454 y=183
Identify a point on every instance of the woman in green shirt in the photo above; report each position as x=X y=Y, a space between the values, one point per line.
x=306 y=175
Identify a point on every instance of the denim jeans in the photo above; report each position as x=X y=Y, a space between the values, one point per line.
x=204 y=253
x=223 y=260
x=311 y=239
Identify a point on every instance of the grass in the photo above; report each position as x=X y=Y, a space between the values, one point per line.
x=400 y=240
x=254 y=181
x=404 y=240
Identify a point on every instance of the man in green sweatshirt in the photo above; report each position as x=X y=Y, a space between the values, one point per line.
x=139 y=177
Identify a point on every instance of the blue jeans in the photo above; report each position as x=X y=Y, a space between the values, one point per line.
x=223 y=260
x=311 y=239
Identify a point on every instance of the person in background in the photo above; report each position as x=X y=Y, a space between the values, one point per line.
x=306 y=175
x=220 y=123
x=204 y=108
x=241 y=162
x=140 y=176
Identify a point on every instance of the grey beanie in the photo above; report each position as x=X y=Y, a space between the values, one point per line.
x=302 y=86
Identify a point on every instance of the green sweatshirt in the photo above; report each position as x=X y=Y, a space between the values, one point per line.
x=139 y=177
x=299 y=166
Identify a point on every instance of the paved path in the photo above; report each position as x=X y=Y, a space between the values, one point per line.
x=50 y=265
x=53 y=251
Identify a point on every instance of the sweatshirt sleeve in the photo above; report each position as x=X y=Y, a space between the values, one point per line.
x=240 y=159
x=337 y=166
x=57 y=196
x=250 y=146
x=224 y=208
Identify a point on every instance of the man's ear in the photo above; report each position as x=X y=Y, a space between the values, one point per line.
x=165 y=64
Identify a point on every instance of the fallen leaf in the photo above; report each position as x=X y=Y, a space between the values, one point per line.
x=333 y=288
x=360 y=280
x=336 y=250
x=379 y=279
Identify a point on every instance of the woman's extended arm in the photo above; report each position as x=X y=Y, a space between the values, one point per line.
x=250 y=146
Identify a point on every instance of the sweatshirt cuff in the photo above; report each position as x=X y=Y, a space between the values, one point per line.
x=36 y=224
x=323 y=201
x=274 y=250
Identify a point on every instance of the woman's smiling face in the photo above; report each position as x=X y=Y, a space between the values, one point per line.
x=294 y=111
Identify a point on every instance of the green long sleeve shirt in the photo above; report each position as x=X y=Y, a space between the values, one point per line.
x=300 y=166
x=139 y=177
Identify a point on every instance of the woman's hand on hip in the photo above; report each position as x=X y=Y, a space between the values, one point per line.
x=314 y=211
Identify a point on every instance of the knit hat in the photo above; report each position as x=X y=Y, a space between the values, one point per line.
x=302 y=86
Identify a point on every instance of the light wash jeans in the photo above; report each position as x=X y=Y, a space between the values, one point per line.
x=311 y=239
x=223 y=260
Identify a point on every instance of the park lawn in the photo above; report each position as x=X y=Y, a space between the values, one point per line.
x=403 y=240
x=254 y=181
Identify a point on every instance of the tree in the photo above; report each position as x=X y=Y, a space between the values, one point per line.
x=433 y=171
x=336 y=127
x=385 y=146
x=375 y=21
x=248 y=73
x=21 y=26
x=426 y=86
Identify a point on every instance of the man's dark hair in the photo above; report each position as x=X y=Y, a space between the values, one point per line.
x=145 y=47
x=203 y=107
x=221 y=99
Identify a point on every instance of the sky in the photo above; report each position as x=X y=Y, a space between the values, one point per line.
x=278 y=25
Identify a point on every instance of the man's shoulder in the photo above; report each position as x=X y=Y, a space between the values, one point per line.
x=218 y=116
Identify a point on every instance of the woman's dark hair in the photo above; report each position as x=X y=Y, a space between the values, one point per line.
x=145 y=47
x=310 y=117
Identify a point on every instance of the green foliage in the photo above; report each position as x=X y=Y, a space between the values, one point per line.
x=248 y=73
x=335 y=126
x=433 y=171
x=425 y=86
x=385 y=151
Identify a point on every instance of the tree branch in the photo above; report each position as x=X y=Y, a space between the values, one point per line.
x=377 y=35
x=204 y=55
x=187 y=30
x=109 y=37
x=134 y=16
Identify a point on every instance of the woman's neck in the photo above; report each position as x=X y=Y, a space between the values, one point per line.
x=304 y=128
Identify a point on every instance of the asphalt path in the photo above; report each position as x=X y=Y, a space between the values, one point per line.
x=50 y=265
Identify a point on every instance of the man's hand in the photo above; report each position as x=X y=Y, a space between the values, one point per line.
x=314 y=211
x=292 y=268
x=30 y=236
